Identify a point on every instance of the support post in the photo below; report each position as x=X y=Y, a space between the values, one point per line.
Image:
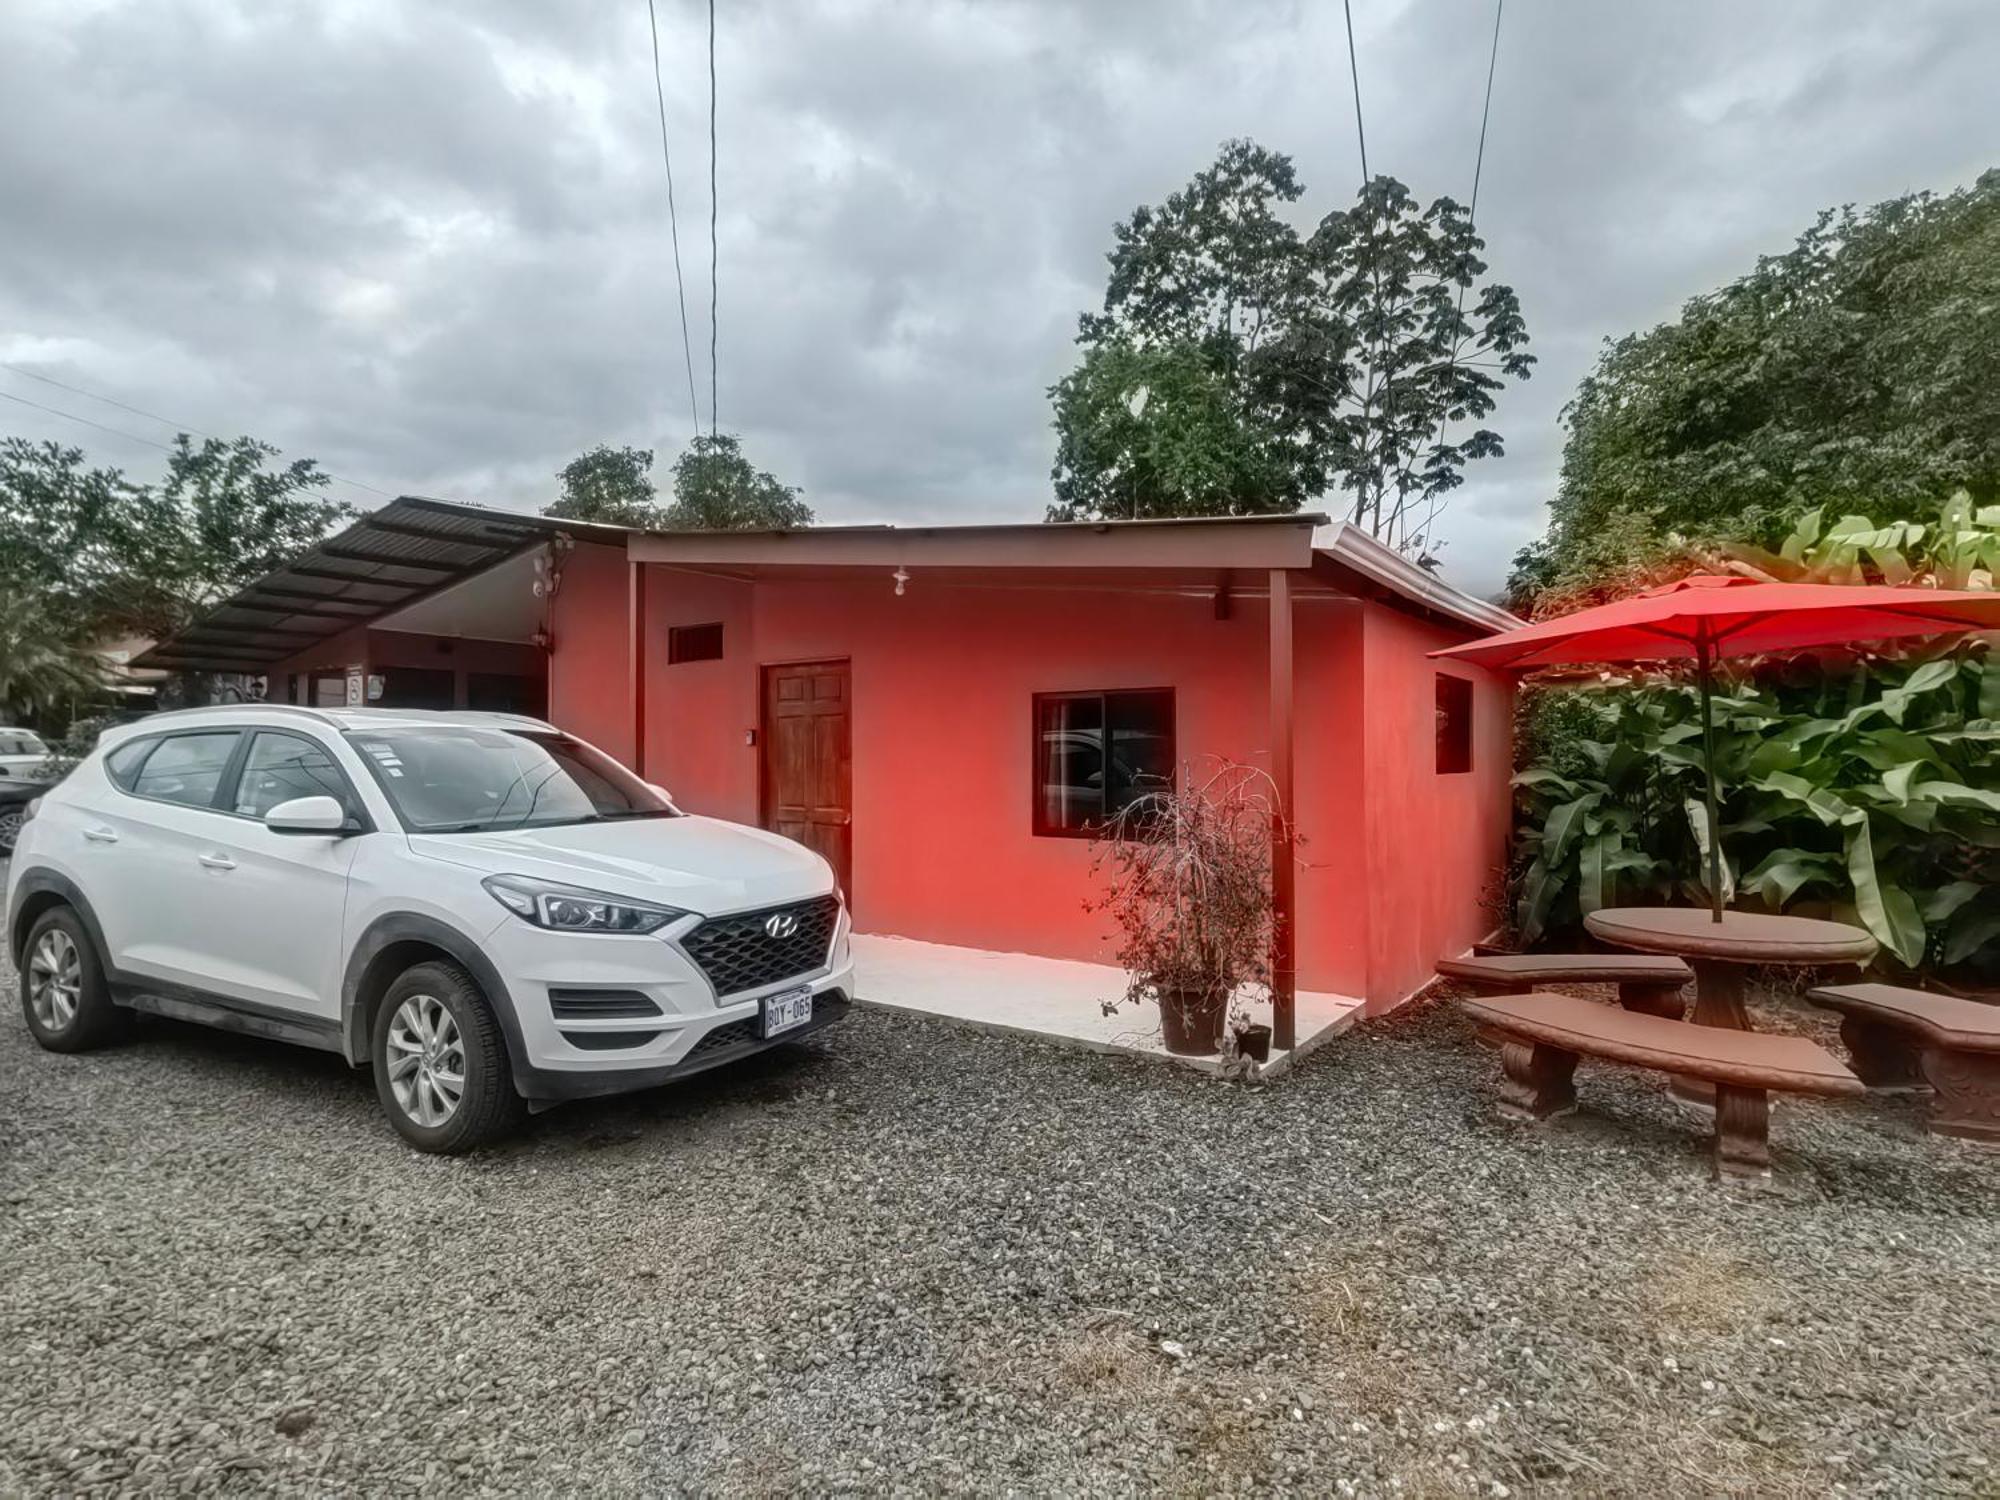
x=635 y=658
x=1284 y=901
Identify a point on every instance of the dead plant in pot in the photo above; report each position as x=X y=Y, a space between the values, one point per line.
x=1187 y=875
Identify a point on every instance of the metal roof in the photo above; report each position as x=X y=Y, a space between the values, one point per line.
x=405 y=551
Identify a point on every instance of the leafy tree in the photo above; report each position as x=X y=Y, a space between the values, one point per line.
x=41 y=662
x=717 y=489
x=1161 y=431
x=1859 y=369
x=222 y=519
x=72 y=538
x=613 y=485
x=1292 y=363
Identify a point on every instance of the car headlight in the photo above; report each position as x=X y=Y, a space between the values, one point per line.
x=567 y=908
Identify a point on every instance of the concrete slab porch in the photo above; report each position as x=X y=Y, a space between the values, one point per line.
x=1056 y=999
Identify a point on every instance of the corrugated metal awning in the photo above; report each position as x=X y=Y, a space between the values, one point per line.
x=409 y=549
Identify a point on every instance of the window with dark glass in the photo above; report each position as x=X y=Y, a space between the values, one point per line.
x=1097 y=754
x=694 y=643
x=1454 y=725
x=122 y=765
x=186 y=768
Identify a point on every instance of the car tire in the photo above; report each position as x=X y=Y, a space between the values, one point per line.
x=433 y=1027
x=64 y=997
x=13 y=818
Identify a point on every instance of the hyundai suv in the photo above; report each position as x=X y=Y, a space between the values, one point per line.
x=490 y=914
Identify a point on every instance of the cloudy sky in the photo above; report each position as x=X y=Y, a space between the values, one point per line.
x=425 y=241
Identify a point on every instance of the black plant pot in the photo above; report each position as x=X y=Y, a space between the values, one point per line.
x=1191 y=1021
x=1254 y=1041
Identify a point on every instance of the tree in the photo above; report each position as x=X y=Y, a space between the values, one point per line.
x=717 y=489
x=1160 y=431
x=222 y=519
x=1858 y=370
x=99 y=553
x=1299 y=362
x=612 y=485
x=41 y=663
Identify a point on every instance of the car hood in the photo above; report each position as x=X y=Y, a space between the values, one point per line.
x=698 y=864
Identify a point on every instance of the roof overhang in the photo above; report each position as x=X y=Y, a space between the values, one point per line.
x=1196 y=545
x=388 y=559
x=1357 y=563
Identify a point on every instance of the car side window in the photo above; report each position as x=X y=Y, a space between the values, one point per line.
x=281 y=767
x=122 y=765
x=186 y=768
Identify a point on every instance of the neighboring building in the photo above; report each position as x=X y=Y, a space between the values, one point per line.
x=943 y=711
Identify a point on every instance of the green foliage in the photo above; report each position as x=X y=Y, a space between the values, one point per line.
x=98 y=553
x=1161 y=430
x=41 y=662
x=1240 y=365
x=1861 y=781
x=717 y=489
x=1859 y=369
x=612 y=485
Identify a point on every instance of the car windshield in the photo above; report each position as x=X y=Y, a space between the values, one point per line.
x=461 y=779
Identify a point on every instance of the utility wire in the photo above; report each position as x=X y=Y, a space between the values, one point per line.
x=714 y=294
x=71 y=416
x=673 y=216
x=1354 y=72
x=1472 y=219
x=150 y=416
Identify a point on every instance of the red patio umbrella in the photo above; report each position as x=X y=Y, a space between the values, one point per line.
x=1707 y=616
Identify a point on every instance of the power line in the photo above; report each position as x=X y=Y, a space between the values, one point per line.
x=150 y=416
x=1471 y=219
x=1354 y=72
x=71 y=416
x=714 y=291
x=673 y=216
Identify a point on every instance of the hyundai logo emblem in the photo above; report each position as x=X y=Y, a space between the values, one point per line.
x=781 y=924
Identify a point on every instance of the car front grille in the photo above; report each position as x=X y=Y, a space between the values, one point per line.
x=829 y=1006
x=739 y=953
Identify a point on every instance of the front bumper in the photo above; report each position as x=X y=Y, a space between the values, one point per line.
x=665 y=1020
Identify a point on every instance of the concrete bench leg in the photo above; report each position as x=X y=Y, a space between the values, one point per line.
x=1882 y=1056
x=1742 y=1132
x=1538 y=1081
x=1653 y=1000
x=1967 y=1101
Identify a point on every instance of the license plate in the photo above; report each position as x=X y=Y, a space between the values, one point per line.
x=787 y=1012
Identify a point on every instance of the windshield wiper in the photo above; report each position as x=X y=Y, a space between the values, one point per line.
x=633 y=812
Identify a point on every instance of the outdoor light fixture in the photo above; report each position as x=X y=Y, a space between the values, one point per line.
x=902 y=577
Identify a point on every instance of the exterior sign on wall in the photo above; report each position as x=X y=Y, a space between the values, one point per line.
x=354 y=688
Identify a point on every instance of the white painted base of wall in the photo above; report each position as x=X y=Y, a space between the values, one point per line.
x=1056 y=999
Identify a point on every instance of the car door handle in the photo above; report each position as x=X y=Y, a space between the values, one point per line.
x=217 y=862
x=101 y=835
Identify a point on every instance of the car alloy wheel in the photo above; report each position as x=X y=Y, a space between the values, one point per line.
x=426 y=1060
x=55 y=980
x=12 y=822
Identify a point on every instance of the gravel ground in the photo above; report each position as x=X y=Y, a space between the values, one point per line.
x=910 y=1258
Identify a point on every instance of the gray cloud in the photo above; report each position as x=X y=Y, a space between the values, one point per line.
x=428 y=244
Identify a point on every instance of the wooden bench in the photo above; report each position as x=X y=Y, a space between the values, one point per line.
x=1647 y=983
x=1904 y=1039
x=1543 y=1035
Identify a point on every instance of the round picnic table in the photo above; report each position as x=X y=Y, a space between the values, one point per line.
x=1721 y=952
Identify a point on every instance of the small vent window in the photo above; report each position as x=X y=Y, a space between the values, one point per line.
x=1454 y=725
x=694 y=643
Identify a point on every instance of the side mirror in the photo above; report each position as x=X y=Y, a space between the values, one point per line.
x=323 y=816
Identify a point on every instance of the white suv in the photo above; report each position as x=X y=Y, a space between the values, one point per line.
x=492 y=914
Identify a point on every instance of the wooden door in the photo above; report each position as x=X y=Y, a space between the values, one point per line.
x=808 y=784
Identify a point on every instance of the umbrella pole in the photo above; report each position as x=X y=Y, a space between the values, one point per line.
x=1705 y=658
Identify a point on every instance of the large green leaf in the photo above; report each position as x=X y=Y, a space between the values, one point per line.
x=1783 y=873
x=1896 y=782
x=1942 y=904
x=1563 y=825
x=1953 y=795
x=1972 y=932
x=1886 y=910
x=1697 y=815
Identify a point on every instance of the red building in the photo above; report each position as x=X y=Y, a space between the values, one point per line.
x=943 y=711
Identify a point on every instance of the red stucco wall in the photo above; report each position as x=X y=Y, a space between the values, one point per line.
x=1435 y=843
x=1394 y=858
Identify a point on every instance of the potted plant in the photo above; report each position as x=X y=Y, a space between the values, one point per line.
x=1187 y=876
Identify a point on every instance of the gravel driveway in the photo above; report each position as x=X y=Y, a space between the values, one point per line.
x=909 y=1257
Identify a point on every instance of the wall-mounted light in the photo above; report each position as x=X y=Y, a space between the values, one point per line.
x=902 y=577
